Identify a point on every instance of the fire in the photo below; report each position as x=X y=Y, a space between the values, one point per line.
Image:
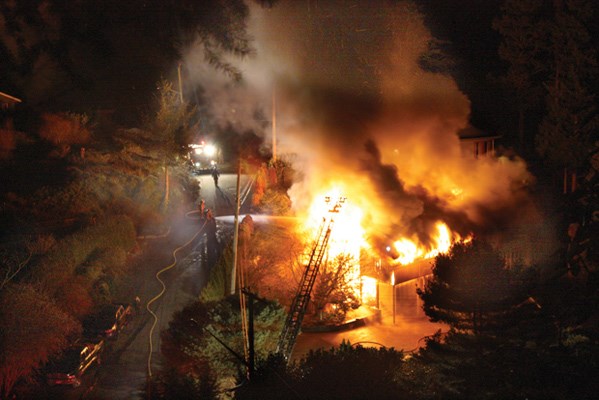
x=409 y=250
x=348 y=237
x=349 y=234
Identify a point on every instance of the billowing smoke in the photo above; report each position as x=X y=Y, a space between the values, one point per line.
x=357 y=109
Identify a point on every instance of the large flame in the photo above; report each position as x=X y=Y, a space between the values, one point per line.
x=349 y=233
x=410 y=250
x=350 y=230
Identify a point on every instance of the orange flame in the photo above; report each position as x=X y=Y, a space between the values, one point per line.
x=410 y=250
x=349 y=235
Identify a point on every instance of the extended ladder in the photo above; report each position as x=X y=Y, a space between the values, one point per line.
x=300 y=302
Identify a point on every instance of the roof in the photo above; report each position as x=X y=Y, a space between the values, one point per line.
x=471 y=133
x=6 y=98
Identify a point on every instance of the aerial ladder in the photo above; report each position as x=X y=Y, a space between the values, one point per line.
x=299 y=305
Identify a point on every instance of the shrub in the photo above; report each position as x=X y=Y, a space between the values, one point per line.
x=34 y=328
x=65 y=128
x=114 y=236
x=275 y=202
x=75 y=298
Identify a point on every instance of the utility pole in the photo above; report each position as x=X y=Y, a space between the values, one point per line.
x=274 y=125
x=236 y=229
x=251 y=356
x=180 y=83
x=393 y=294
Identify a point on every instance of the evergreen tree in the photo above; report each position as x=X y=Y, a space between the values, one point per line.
x=343 y=372
x=569 y=129
x=550 y=54
x=473 y=290
x=524 y=31
x=464 y=366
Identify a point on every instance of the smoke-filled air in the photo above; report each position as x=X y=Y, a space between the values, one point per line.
x=362 y=117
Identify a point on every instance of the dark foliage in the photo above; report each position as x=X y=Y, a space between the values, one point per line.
x=59 y=57
x=344 y=372
x=472 y=289
x=189 y=345
x=174 y=385
x=462 y=366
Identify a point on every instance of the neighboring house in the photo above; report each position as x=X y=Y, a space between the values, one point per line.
x=7 y=104
x=476 y=142
x=7 y=101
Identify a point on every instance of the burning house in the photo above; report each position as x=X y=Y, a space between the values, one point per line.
x=364 y=118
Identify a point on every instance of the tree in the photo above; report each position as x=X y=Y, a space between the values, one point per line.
x=8 y=142
x=61 y=55
x=551 y=55
x=333 y=294
x=568 y=130
x=174 y=385
x=267 y=266
x=465 y=366
x=64 y=130
x=344 y=372
x=171 y=124
x=16 y=257
x=189 y=347
x=33 y=330
x=524 y=30
x=259 y=185
x=352 y=372
x=472 y=289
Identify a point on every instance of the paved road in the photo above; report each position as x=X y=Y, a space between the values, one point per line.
x=124 y=372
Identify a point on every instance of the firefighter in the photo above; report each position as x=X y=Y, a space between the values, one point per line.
x=137 y=304
x=215 y=175
x=202 y=209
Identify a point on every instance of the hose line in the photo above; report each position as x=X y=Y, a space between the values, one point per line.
x=155 y=298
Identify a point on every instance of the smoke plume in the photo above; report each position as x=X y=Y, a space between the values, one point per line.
x=357 y=109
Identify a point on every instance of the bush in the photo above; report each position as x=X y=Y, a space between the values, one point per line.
x=275 y=202
x=186 y=344
x=219 y=284
x=113 y=237
x=65 y=128
x=34 y=329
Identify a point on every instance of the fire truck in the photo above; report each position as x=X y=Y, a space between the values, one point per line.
x=203 y=157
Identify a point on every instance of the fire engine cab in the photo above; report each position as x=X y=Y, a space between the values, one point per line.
x=204 y=156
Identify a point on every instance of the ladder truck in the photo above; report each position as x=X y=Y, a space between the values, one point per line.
x=300 y=302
